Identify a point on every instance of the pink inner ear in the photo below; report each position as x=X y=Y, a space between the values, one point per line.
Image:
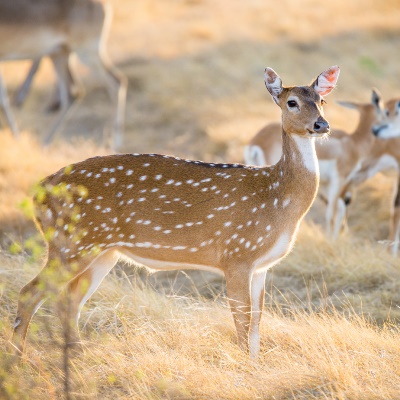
x=327 y=81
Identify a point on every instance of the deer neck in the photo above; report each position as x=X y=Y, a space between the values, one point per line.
x=362 y=133
x=299 y=169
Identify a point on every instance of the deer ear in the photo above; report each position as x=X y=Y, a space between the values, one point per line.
x=376 y=99
x=273 y=83
x=326 y=81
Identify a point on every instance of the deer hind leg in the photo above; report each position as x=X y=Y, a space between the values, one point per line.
x=65 y=94
x=116 y=84
x=47 y=284
x=239 y=295
x=6 y=108
x=80 y=289
x=257 y=305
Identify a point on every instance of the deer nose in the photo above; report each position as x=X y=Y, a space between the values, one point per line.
x=377 y=128
x=321 y=126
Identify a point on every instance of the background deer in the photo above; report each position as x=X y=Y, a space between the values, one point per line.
x=168 y=213
x=339 y=158
x=385 y=156
x=31 y=30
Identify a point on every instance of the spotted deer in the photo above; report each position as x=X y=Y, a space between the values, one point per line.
x=169 y=213
x=339 y=158
x=33 y=29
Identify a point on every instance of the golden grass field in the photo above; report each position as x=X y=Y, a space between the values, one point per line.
x=330 y=328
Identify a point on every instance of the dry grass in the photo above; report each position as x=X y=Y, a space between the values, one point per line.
x=331 y=323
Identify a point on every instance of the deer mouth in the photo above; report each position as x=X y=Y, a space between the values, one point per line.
x=315 y=134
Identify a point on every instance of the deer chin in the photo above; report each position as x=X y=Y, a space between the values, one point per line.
x=318 y=135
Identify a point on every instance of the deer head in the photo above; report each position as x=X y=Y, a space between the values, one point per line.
x=302 y=111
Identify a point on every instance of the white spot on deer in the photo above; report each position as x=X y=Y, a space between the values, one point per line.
x=262 y=205
x=275 y=203
x=196 y=184
x=254 y=210
x=109 y=236
x=189 y=223
x=154 y=190
x=143 y=178
x=167 y=231
x=179 y=248
x=286 y=203
x=97 y=207
x=178 y=184
x=193 y=249
x=146 y=165
x=268 y=228
x=115 y=220
x=169 y=182
x=249 y=223
x=130 y=186
x=210 y=216
x=158 y=177
x=217 y=233
x=129 y=172
x=242 y=240
x=226 y=224
x=97 y=175
x=131 y=236
x=244 y=198
x=120 y=167
x=147 y=222
x=145 y=245
x=128 y=219
x=142 y=199
x=130 y=201
x=157 y=228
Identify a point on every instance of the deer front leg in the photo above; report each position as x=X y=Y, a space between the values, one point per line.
x=238 y=287
x=395 y=221
x=23 y=90
x=257 y=305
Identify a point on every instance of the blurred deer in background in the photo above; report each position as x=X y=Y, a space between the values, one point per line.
x=167 y=213
x=340 y=158
x=385 y=156
x=33 y=29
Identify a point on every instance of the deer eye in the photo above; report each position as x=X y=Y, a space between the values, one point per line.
x=292 y=103
x=323 y=102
